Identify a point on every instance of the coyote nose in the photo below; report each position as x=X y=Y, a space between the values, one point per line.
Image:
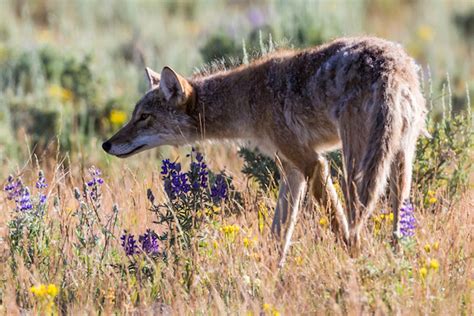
x=106 y=146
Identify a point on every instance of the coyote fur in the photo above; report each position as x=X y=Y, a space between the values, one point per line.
x=359 y=94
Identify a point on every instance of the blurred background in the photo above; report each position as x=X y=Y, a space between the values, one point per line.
x=71 y=71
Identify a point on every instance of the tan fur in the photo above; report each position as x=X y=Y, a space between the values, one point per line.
x=361 y=94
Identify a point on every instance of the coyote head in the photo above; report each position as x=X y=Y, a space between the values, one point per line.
x=160 y=117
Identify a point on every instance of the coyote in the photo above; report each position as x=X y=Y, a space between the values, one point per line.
x=359 y=94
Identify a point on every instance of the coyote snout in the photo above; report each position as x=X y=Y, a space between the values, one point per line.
x=358 y=94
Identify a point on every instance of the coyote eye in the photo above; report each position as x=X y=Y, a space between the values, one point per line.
x=144 y=116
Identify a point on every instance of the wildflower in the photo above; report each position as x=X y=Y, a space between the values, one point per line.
x=299 y=260
x=13 y=188
x=230 y=230
x=219 y=190
x=423 y=272
x=117 y=117
x=377 y=224
x=434 y=264
x=96 y=179
x=436 y=245
x=198 y=173
x=427 y=248
x=425 y=32
x=45 y=294
x=431 y=198
x=43 y=290
x=24 y=203
x=94 y=183
x=323 y=221
x=176 y=182
x=149 y=242
x=271 y=310
x=129 y=244
x=247 y=242
x=41 y=183
x=58 y=92
x=407 y=220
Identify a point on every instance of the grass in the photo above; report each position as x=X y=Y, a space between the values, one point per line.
x=237 y=272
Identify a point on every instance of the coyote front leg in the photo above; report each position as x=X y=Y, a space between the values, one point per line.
x=292 y=189
x=290 y=179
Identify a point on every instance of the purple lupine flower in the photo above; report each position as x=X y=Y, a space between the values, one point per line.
x=23 y=203
x=149 y=242
x=198 y=173
x=13 y=188
x=219 y=190
x=129 y=244
x=175 y=182
x=41 y=183
x=94 y=183
x=407 y=220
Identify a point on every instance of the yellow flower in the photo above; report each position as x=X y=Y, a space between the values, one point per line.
x=230 y=229
x=323 y=222
x=246 y=242
x=432 y=200
x=434 y=264
x=52 y=290
x=45 y=295
x=377 y=224
x=431 y=192
x=425 y=32
x=436 y=245
x=39 y=291
x=391 y=217
x=427 y=248
x=299 y=260
x=58 y=92
x=117 y=117
x=423 y=272
x=267 y=307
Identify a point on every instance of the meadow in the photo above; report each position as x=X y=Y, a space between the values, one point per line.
x=82 y=232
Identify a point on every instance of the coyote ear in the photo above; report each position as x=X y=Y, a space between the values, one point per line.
x=153 y=78
x=175 y=86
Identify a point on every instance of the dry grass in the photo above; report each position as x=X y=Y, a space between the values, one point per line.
x=239 y=274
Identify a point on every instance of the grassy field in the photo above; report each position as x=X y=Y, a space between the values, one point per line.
x=70 y=73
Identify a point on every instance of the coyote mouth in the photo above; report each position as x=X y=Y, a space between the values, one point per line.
x=131 y=152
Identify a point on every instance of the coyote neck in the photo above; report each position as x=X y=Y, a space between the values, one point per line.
x=222 y=107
